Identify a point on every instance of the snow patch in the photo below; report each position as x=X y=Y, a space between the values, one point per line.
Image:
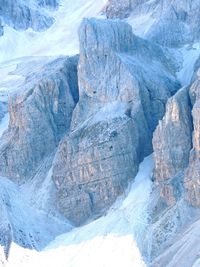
x=190 y=55
x=60 y=39
x=113 y=240
x=4 y=124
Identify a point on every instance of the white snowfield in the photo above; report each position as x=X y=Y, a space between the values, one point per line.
x=113 y=240
x=60 y=39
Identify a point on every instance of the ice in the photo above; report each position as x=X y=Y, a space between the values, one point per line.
x=112 y=240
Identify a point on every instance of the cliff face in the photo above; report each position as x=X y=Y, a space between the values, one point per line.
x=176 y=146
x=172 y=142
x=192 y=176
x=113 y=121
x=176 y=171
x=22 y=15
x=40 y=113
x=80 y=126
x=169 y=23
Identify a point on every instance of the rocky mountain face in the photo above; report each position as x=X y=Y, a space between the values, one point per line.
x=121 y=9
x=176 y=137
x=167 y=22
x=172 y=143
x=40 y=113
x=79 y=126
x=22 y=15
x=108 y=132
x=113 y=121
x=192 y=176
x=176 y=142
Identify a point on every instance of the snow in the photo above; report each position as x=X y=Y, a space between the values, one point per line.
x=190 y=55
x=60 y=39
x=4 y=124
x=113 y=240
x=141 y=23
x=36 y=227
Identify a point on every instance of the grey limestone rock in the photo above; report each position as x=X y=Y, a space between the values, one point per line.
x=169 y=22
x=172 y=142
x=48 y=3
x=172 y=138
x=192 y=176
x=22 y=15
x=121 y=9
x=40 y=113
x=112 y=124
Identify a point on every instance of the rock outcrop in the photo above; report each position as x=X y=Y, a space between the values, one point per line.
x=121 y=9
x=112 y=124
x=21 y=15
x=168 y=22
x=40 y=113
x=192 y=176
x=172 y=138
x=48 y=3
x=176 y=173
x=177 y=150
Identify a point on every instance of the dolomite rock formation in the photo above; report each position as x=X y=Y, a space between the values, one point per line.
x=48 y=3
x=40 y=113
x=192 y=176
x=121 y=9
x=112 y=124
x=176 y=172
x=118 y=9
x=172 y=142
x=176 y=147
x=21 y=15
x=167 y=22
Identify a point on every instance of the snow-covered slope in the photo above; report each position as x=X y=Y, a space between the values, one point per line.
x=23 y=224
x=60 y=38
x=113 y=240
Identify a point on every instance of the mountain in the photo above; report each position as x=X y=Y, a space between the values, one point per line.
x=99 y=144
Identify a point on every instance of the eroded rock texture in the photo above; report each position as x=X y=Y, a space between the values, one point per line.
x=22 y=15
x=172 y=143
x=121 y=9
x=112 y=124
x=40 y=113
x=176 y=147
x=192 y=176
x=167 y=22
x=48 y=3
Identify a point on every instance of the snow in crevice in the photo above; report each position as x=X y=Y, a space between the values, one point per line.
x=190 y=54
x=4 y=124
x=115 y=239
